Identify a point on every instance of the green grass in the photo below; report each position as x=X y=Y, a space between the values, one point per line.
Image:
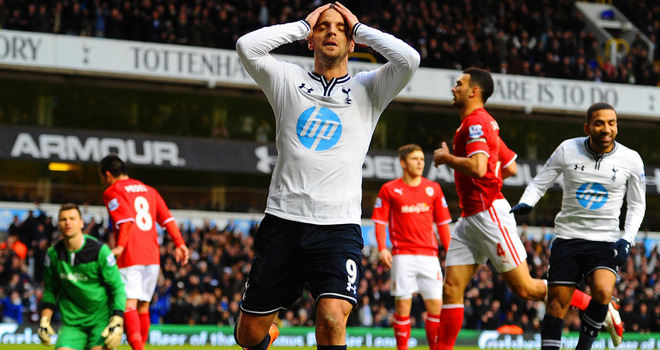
x=206 y=347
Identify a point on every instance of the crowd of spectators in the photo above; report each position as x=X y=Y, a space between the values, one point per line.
x=208 y=290
x=545 y=38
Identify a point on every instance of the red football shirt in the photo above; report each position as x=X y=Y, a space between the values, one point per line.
x=410 y=213
x=479 y=133
x=131 y=200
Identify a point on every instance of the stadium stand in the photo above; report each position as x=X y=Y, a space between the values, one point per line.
x=537 y=38
x=208 y=290
x=546 y=38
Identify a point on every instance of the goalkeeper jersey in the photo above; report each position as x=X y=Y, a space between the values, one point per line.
x=85 y=283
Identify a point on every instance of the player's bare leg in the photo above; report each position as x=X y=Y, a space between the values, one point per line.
x=252 y=330
x=523 y=285
x=451 y=318
x=601 y=283
x=331 y=317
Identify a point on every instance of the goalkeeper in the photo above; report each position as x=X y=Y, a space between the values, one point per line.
x=82 y=278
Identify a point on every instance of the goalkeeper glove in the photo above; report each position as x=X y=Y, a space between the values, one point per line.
x=621 y=249
x=45 y=330
x=521 y=209
x=112 y=333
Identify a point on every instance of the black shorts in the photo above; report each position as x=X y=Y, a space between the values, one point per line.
x=290 y=253
x=571 y=260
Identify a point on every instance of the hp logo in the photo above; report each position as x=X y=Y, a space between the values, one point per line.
x=592 y=195
x=318 y=128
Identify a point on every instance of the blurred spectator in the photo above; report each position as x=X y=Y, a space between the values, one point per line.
x=208 y=290
x=12 y=308
x=19 y=248
x=513 y=37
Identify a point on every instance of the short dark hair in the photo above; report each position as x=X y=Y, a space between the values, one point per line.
x=113 y=164
x=482 y=79
x=69 y=206
x=405 y=150
x=598 y=106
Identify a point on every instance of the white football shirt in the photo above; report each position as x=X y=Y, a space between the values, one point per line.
x=323 y=127
x=594 y=188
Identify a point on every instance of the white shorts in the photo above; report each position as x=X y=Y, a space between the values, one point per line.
x=490 y=234
x=416 y=273
x=140 y=281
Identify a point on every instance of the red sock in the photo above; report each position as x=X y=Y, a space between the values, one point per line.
x=401 y=331
x=451 y=321
x=132 y=329
x=145 y=322
x=580 y=299
x=432 y=329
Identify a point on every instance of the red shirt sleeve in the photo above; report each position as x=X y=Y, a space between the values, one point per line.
x=506 y=155
x=118 y=209
x=381 y=213
x=441 y=213
x=477 y=134
x=166 y=220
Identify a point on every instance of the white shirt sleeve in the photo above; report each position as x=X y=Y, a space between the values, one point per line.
x=254 y=52
x=545 y=178
x=636 y=199
x=392 y=77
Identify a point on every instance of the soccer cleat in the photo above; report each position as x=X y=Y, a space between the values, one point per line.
x=613 y=323
x=274 y=332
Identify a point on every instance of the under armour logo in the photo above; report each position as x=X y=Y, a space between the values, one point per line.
x=304 y=88
x=351 y=287
x=348 y=96
x=264 y=159
x=614 y=170
x=581 y=167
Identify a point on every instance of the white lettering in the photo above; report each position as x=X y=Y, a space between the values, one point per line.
x=133 y=154
x=52 y=145
x=135 y=188
x=83 y=152
x=442 y=173
x=385 y=167
x=25 y=145
x=71 y=148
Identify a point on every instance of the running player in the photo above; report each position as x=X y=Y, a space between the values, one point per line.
x=486 y=229
x=81 y=278
x=135 y=208
x=325 y=120
x=598 y=173
x=410 y=205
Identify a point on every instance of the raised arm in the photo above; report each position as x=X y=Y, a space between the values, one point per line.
x=544 y=179
x=402 y=59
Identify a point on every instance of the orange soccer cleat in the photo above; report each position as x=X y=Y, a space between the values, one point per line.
x=613 y=322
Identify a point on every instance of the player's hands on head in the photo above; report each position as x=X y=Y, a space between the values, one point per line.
x=440 y=155
x=182 y=254
x=45 y=330
x=621 y=249
x=385 y=258
x=314 y=16
x=521 y=209
x=351 y=19
x=113 y=332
